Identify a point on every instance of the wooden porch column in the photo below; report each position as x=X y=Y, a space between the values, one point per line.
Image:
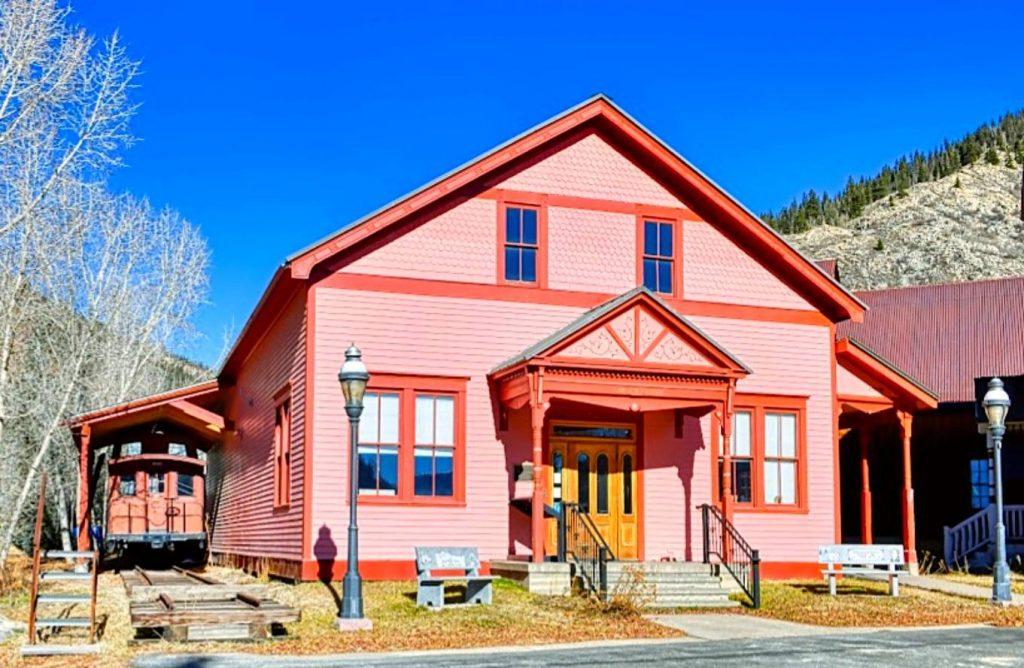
x=84 y=485
x=864 y=437
x=537 y=410
x=726 y=428
x=909 y=531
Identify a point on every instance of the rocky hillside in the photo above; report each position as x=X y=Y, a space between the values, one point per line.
x=964 y=226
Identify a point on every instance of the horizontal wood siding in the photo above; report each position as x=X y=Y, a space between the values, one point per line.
x=241 y=469
x=433 y=336
x=850 y=385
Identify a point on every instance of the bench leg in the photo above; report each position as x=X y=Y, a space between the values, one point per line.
x=478 y=592
x=832 y=584
x=894 y=585
x=430 y=596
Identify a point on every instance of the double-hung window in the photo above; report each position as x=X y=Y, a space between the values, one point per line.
x=186 y=484
x=658 y=259
x=767 y=454
x=742 y=452
x=378 y=444
x=411 y=440
x=126 y=486
x=981 y=483
x=521 y=251
x=156 y=484
x=435 y=445
x=282 y=453
x=780 y=458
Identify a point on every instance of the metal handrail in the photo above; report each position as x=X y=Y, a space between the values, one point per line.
x=581 y=542
x=724 y=542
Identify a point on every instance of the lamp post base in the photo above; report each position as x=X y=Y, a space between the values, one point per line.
x=360 y=624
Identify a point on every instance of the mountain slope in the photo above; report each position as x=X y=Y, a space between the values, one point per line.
x=964 y=226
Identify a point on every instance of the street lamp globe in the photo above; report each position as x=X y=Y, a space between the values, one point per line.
x=996 y=403
x=353 y=377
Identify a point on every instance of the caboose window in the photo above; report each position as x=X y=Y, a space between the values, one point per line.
x=127 y=486
x=131 y=449
x=177 y=450
x=156 y=483
x=186 y=484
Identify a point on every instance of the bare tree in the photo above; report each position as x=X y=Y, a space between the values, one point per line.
x=94 y=287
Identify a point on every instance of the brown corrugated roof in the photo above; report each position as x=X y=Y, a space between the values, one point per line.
x=946 y=335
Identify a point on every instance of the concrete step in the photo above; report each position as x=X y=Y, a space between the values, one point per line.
x=63 y=622
x=664 y=577
x=64 y=575
x=64 y=598
x=68 y=554
x=660 y=567
x=693 y=602
x=60 y=650
x=667 y=589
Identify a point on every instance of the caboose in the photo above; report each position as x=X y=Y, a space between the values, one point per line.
x=154 y=453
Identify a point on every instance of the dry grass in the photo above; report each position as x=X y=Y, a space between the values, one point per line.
x=863 y=603
x=982 y=580
x=515 y=618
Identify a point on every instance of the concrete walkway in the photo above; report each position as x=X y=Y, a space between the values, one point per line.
x=945 y=586
x=711 y=626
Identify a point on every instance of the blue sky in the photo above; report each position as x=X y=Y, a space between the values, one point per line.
x=271 y=124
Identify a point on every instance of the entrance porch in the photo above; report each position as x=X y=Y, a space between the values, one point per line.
x=628 y=393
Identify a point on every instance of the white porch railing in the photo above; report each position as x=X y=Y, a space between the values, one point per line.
x=977 y=532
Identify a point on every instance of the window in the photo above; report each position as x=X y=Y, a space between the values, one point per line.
x=981 y=483
x=411 y=440
x=584 y=431
x=131 y=449
x=186 y=484
x=658 y=260
x=780 y=458
x=378 y=444
x=627 y=485
x=741 y=449
x=283 y=453
x=602 y=484
x=521 y=248
x=767 y=454
x=435 y=445
x=126 y=486
x=177 y=450
x=156 y=483
x=583 y=481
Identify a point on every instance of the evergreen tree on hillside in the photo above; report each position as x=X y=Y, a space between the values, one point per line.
x=1004 y=136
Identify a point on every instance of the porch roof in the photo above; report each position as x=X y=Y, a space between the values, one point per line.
x=633 y=352
x=603 y=313
x=192 y=407
x=899 y=389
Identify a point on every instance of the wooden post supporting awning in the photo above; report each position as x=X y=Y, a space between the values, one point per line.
x=191 y=408
x=633 y=353
x=873 y=393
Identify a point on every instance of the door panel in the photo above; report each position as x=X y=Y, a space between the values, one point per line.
x=625 y=480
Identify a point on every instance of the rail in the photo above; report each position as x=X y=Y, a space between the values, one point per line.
x=725 y=544
x=581 y=542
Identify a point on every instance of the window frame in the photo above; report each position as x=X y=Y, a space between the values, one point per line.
x=539 y=205
x=282 y=448
x=408 y=386
x=760 y=405
x=644 y=217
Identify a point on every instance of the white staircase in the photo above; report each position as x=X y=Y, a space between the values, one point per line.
x=669 y=584
x=971 y=542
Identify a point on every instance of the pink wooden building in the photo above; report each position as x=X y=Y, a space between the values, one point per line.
x=579 y=315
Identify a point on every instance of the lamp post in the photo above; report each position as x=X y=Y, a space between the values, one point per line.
x=997 y=404
x=353 y=378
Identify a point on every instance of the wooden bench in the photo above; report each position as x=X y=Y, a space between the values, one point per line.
x=430 y=586
x=854 y=559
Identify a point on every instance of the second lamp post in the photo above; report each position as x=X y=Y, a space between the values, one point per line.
x=997 y=404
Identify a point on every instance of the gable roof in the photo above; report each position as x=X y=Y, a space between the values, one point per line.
x=947 y=335
x=612 y=308
x=597 y=114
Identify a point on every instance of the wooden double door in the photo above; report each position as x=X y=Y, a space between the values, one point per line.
x=601 y=478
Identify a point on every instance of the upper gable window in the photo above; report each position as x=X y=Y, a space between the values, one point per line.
x=521 y=245
x=659 y=256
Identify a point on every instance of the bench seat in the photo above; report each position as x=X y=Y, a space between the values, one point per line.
x=430 y=587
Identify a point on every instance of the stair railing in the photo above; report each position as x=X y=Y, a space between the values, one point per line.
x=724 y=544
x=977 y=532
x=581 y=543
